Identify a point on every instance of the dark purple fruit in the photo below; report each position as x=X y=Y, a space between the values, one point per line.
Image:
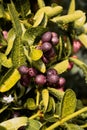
x=40 y=79
x=23 y=69
x=32 y=72
x=25 y=80
x=46 y=46
x=49 y=54
x=51 y=71
x=46 y=37
x=52 y=79
x=45 y=60
x=54 y=40
x=61 y=82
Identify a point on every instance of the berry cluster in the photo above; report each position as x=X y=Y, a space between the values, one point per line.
x=49 y=40
x=50 y=78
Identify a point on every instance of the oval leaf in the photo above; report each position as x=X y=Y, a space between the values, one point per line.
x=15 y=123
x=36 y=54
x=68 y=103
x=30 y=104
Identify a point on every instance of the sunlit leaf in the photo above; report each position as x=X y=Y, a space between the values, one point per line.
x=71 y=7
x=83 y=39
x=30 y=104
x=14 y=123
x=9 y=80
x=68 y=103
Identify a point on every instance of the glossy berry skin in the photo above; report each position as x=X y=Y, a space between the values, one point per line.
x=23 y=69
x=52 y=79
x=32 y=72
x=54 y=34
x=76 y=46
x=54 y=40
x=49 y=54
x=40 y=79
x=46 y=46
x=61 y=82
x=45 y=60
x=51 y=71
x=46 y=37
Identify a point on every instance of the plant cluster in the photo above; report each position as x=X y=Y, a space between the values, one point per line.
x=36 y=49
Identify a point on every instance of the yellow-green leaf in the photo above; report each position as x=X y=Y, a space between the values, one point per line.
x=83 y=39
x=71 y=7
x=10 y=80
x=36 y=54
x=45 y=98
x=68 y=103
x=14 y=123
x=30 y=104
x=61 y=67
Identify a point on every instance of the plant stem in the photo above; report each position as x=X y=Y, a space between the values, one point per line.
x=59 y=122
x=38 y=114
x=37 y=98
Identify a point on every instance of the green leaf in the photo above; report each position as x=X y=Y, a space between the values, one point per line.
x=36 y=54
x=61 y=67
x=56 y=93
x=74 y=127
x=23 y=7
x=81 y=65
x=50 y=104
x=68 y=103
x=71 y=7
x=41 y=20
x=45 y=98
x=18 y=57
x=41 y=3
x=2 y=128
x=83 y=39
x=15 y=19
x=14 y=123
x=34 y=125
x=68 y=18
x=9 y=80
x=30 y=104
x=4 y=61
x=32 y=33
x=3 y=108
x=39 y=65
x=10 y=40
x=2 y=14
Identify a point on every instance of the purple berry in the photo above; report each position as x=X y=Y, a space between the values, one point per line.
x=52 y=79
x=23 y=69
x=76 y=46
x=61 y=82
x=51 y=71
x=49 y=54
x=46 y=37
x=45 y=60
x=54 y=40
x=46 y=46
x=54 y=34
x=40 y=79
x=25 y=80
x=32 y=72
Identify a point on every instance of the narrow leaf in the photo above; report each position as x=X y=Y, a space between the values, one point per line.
x=30 y=104
x=18 y=57
x=71 y=7
x=9 y=80
x=14 y=123
x=15 y=19
x=68 y=103
x=61 y=67
x=80 y=64
x=41 y=3
x=45 y=98
x=56 y=93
